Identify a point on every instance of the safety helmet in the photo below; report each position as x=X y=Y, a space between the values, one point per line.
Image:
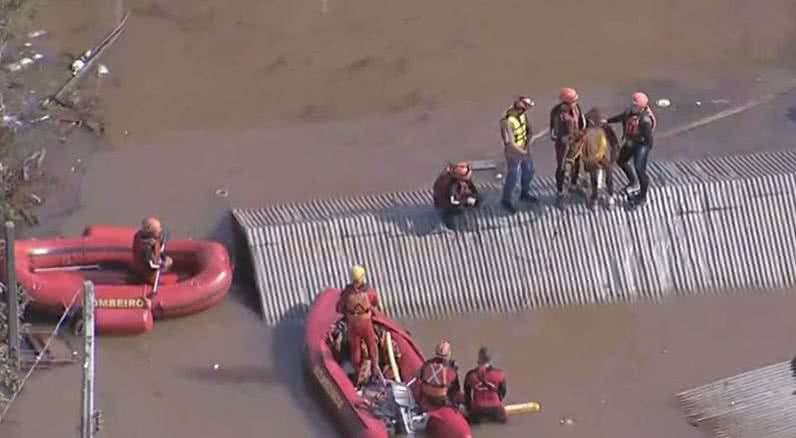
x=640 y=99
x=524 y=102
x=483 y=356
x=462 y=170
x=568 y=95
x=357 y=274
x=443 y=350
x=151 y=224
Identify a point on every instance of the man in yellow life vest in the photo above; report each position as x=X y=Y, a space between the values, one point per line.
x=516 y=132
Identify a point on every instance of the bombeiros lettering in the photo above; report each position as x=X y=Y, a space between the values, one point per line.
x=120 y=303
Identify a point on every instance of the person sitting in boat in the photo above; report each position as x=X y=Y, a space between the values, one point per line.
x=484 y=391
x=439 y=380
x=357 y=303
x=454 y=191
x=147 y=246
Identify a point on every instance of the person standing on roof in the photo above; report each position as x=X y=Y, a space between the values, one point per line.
x=485 y=388
x=147 y=247
x=357 y=304
x=566 y=120
x=439 y=379
x=516 y=132
x=639 y=125
x=454 y=191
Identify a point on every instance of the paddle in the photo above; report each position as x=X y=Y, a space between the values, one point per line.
x=164 y=240
x=391 y=356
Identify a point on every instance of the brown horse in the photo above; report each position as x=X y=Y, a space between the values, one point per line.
x=597 y=147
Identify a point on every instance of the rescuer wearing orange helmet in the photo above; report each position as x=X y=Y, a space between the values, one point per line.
x=639 y=125
x=357 y=304
x=439 y=379
x=147 y=251
x=566 y=120
x=454 y=191
x=517 y=133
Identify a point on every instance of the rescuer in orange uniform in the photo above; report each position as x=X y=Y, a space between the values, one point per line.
x=484 y=391
x=454 y=191
x=439 y=380
x=357 y=303
x=147 y=257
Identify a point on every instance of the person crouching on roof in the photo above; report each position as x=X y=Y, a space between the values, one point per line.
x=484 y=390
x=454 y=191
x=357 y=303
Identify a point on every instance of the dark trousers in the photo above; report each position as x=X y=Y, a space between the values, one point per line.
x=639 y=153
x=561 y=170
x=451 y=212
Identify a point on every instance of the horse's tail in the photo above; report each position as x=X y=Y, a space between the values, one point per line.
x=613 y=142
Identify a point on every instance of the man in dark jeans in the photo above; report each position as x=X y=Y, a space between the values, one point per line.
x=639 y=124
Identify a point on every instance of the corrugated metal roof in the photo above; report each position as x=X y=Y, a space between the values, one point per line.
x=721 y=223
x=756 y=404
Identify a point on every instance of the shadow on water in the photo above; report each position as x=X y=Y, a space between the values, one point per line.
x=244 y=287
x=287 y=349
x=792 y=114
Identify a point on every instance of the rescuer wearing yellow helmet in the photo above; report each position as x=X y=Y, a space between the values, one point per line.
x=357 y=303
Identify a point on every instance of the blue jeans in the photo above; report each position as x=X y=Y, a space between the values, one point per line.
x=517 y=169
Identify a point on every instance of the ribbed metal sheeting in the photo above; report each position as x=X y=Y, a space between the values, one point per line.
x=756 y=404
x=723 y=223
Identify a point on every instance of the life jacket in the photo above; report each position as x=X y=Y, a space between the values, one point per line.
x=484 y=382
x=632 y=123
x=435 y=379
x=357 y=302
x=142 y=243
x=567 y=119
x=518 y=125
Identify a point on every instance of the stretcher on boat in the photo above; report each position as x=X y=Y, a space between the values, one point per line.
x=53 y=271
x=373 y=412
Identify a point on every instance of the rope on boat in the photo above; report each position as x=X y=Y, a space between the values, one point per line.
x=39 y=356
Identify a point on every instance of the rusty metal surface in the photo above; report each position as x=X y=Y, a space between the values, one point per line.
x=755 y=404
x=718 y=223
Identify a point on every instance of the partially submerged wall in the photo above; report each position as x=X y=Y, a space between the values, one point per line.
x=716 y=223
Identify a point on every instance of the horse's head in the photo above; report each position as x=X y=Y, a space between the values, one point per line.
x=594 y=117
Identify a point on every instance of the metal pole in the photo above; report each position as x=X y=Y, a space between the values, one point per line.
x=87 y=422
x=13 y=296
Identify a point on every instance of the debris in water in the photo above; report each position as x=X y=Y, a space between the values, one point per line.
x=41 y=119
x=125 y=132
x=567 y=421
x=698 y=103
x=32 y=165
x=77 y=65
x=663 y=103
x=499 y=175
x=37 y=56
x=37 y=33
x=102 y=70
x=222 y=192
x=719 y=101
x=35 y=198
x=28 y=44
x=216 y=366
x=19 y=65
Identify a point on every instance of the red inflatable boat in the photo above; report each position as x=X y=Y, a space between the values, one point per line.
x=53 y=271
x=353 y=413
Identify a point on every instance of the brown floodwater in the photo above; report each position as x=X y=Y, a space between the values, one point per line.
x=291 y=100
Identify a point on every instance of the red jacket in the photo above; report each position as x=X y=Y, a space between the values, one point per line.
x=146 y=254
x=439 y=381
x=358 y=301
x=484 y=387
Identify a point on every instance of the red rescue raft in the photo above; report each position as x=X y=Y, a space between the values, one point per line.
x=349 y=409
x=50 y=271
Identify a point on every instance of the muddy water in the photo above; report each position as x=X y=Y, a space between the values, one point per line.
x=281 y=100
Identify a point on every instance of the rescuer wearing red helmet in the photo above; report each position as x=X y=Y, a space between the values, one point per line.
x=639 y=125
x=147 y=247
x=439 y=379
x=357 y=304
x=454 y=191
x=516 y=132
x=566 y=120
x=485 y=388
